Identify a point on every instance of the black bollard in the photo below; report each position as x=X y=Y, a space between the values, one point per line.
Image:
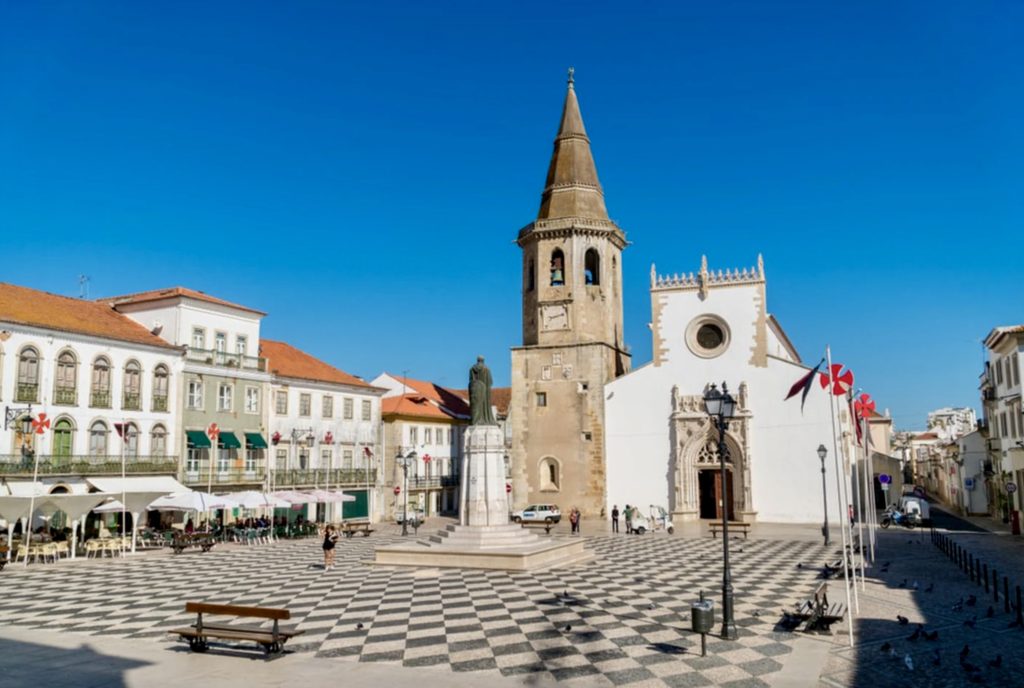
x=995 y=585
x=1020 y=610
x=1006 y=594
x=986 y=578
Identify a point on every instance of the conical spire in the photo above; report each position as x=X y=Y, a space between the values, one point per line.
x=572 y=188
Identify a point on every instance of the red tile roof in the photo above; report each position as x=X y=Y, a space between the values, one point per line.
x=24 y=306
x=174 y=292
x=418 y=406
x=501 y=397
x=452 y=399
x=287 y=361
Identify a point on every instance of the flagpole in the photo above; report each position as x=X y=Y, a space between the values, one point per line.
x=873 y=509
x=32 y=498
x=848 y=503
x=855 y=465
x=839 y=480
x=866 y=467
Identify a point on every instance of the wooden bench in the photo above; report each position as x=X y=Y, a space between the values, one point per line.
x=815 y=612
x=183 y=541
x=546 y=525
x=716 y=527
x=272 y=640
x=350 y=529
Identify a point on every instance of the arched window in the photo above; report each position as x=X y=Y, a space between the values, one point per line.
x=550 y=474
x=529 y=276
x=160 y=385
x=557 y=268
x=592 y=267
x=22 y=440
x=131 y=440
x=28 y=375
x=132 y=386
x=66 y=382
x=98 y=439
x=99 y=389
x=158 y=441
x=63 y=438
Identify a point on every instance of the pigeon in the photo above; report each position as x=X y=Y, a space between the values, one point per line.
x=930 y=588
x=651 y=605
x=902 y=620
x=909 y=661
x=568 y=628
x=934 y=635
x=971 y=621
x=916 y=634
x=885 y=647
x=936 y=658
x=996 y=663
x=886 y=565
x=972 y=600
x=799 y=565
x=990 y=612
x=903 y=583
x=359 y=626
x=757 y=613
x=964 y=652
x=959 y=606
x=892 y=652
x=915 y=586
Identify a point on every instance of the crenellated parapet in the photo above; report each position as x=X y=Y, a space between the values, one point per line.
x=704 y=278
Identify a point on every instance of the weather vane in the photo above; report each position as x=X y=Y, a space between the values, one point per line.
x=571 y=71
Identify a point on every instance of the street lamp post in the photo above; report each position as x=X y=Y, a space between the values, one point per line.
x=405 y=461
x=822 y=453
x=722 y=407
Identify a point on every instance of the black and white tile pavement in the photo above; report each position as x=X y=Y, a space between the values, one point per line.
x=622 y=618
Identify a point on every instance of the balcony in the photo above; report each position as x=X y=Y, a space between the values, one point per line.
x=321 y=477
x=15 y=465
x=425 y=483
x=27 y=391
x=197 y=475
x=226 y=360
x=131 y=401
x=65 y=396
x=99 y=398
x=159 y=402
x=988 y=394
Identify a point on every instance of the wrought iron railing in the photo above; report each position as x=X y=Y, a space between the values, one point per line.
x=223 y=358
x=27 y=391
x=76 y=464
x=159 y=402
x=198 y=474
x=66 y=396
x=131 y=401
x=99 y=398
x=321 y=477
x=423 y=483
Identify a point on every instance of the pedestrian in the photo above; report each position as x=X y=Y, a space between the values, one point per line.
x=635 y=520
x=330 y=539
x=615 y=518
x=574 y=520
x=629 y=519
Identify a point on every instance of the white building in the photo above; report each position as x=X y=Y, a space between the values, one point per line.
x=952 y=423
x=83 y=367
x=1004 y=417
x=324 y=431
x=972 y=473
x=708 y=328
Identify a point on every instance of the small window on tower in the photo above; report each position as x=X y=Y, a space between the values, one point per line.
x=592 y=267
x=542 y=398
x=529 y=276
x=557 y=268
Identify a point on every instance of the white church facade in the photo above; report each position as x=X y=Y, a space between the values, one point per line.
x=662 y=449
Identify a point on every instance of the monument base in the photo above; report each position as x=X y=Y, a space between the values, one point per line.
x=507 y=547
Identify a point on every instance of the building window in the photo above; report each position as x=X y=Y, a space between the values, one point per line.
x=252 y=400
x=281 y=460
x=587 y=436
x=28 y=376
x=428 y=436
x=195 y=394
x=241 y=345
x=999 y=372
x=66 y=382
x=161 y=383
x=326 y=458
x=158 y=441
x=99 y=392
x=592 y=267
x=132 y=397
x=413 y=435
x=529 y=276
x=327 y=406
x=557 y=268
x=549 y=474
x=251 y=457
x=198 y=338
x=367 y=410
x=98 y=439
x=220 y=342
x=542 y=398
x=223 y=458
x=1015 y=367
x=224 y=393
x=305 y=402
x=131 y=440
x=346 y=459
x=63 y=438
x=192 y=460
x=707 y=336
x=303 y=458
x=281 y=402
x=346 y=406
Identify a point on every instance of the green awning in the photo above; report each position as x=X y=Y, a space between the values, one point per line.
x=229 y=441
x=254 y=440
x=198 y=439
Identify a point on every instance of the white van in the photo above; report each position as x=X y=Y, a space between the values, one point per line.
x=916 y=507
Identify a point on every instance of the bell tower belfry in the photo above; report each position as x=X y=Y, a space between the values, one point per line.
x=572 y=330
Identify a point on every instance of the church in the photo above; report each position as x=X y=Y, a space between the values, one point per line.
x=589 y=431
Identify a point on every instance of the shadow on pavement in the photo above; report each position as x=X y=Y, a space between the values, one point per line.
x=28 y=664
x=951 y=522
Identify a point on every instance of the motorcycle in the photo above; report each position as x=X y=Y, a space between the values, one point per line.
x=893 y=515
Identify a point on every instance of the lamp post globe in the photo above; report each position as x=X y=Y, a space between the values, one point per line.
x=721 y=406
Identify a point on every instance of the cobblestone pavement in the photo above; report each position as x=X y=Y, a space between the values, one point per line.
x=622 y=619
x=924 y=586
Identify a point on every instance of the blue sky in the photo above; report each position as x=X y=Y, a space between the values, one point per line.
x=360 y=172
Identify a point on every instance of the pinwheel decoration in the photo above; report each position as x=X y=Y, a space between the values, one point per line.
x=864 y=406
x=842 y=380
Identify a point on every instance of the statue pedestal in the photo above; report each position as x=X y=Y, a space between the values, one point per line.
x=484 y=538
x=483 y=499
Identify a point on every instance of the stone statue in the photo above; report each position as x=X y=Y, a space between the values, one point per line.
x=480 y=394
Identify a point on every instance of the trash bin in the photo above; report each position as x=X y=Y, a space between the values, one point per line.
x=702 y=616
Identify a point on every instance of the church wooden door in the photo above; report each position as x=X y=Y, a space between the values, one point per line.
x=710 y=486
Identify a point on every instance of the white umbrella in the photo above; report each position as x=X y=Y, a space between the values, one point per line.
x=294 y=497
x=113 y=506
x=252 y=499
x=325 y=496
x=193 y=500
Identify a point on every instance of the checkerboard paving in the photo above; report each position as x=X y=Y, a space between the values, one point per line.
x=622 y=618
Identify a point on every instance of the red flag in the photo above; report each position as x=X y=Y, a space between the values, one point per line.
x=804 y=385
x=366 y=450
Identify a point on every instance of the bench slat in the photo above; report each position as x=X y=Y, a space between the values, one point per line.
x=283 y=631
x=228 y=635
x=233 y=610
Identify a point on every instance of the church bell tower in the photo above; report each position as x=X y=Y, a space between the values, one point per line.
x=572 y=330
